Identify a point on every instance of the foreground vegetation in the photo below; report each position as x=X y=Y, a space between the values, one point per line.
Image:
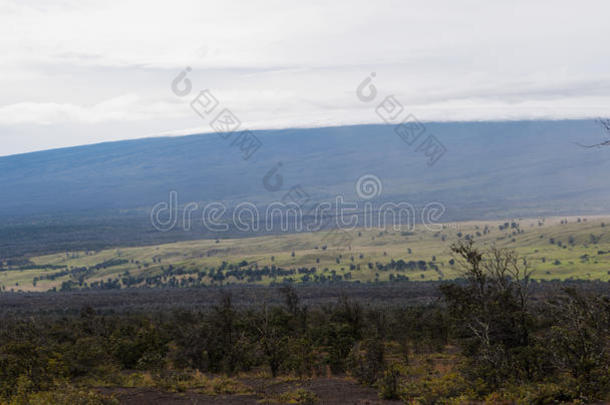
x=556 y=249
x=488 y=339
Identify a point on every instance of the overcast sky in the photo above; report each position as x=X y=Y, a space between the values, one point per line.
x=80 y=72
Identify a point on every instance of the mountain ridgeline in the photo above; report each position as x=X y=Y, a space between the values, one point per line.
x=100 y=195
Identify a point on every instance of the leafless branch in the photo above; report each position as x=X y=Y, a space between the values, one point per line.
x=605 y=124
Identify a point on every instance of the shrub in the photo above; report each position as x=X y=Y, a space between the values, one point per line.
x=366 y=361
x=388 y=385
x=447 y=389
x=299 y=396
x=61 y=395
x=533 y=394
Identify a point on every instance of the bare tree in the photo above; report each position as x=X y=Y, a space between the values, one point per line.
x=579 y=341
x=605 y=124
x=491 y=309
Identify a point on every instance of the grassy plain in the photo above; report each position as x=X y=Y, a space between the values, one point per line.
x=555 y=248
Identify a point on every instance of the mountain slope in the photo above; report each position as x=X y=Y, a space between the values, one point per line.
x=490 y=170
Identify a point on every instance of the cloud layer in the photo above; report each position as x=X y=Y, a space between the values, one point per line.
x=77 y=72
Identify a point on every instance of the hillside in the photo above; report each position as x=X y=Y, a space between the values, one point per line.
x=556 y=249
x=96 y=196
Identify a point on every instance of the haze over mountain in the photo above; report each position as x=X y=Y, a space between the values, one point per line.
x=490 y=170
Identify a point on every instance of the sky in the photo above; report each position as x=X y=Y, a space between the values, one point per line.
x=81 y=72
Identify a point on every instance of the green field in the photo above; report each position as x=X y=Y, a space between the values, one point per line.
x=554 y=249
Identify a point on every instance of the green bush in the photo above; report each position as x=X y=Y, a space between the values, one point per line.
x=388 y=386
x=300 y=396
x=366 y=361
x=535 y=394
x=447 y=389
x=61 y=395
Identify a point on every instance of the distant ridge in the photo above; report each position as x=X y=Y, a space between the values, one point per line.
x=490 y=170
